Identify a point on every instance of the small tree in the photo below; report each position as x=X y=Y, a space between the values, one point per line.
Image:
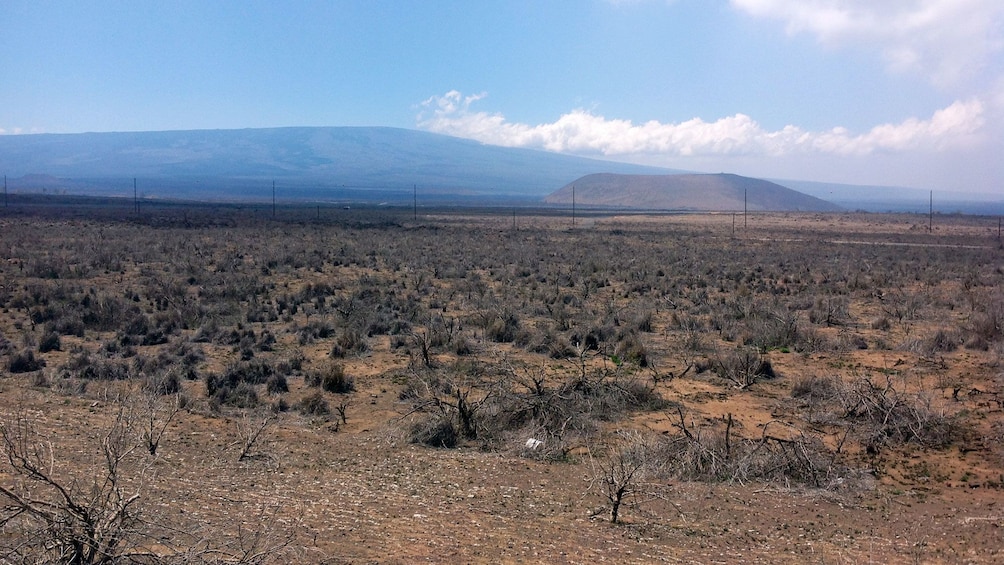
x=251 y=434
x=620 y=471
x=156 y=415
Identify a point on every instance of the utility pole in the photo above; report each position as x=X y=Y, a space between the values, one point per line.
x=573 y=206
x=930 y=215
x=514 y=219
x=733 y=224
x=415 y=204
x=5 y=193
x=745 y=223
x=273 y=198
x=135 y=195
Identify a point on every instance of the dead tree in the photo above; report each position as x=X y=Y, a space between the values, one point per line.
x=619 y=472
x=59 y=519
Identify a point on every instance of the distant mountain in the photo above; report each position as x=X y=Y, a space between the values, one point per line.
x=719 y=192
x=898 y=198
x=305 y=162
x=375 y=164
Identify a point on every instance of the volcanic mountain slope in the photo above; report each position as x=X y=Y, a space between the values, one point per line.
x=718 y=192
x=306 y=162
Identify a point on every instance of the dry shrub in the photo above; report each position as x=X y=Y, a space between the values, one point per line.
x=24 y=362
x=162 y=383
x=332 y=378
x=881 y=323
x=277 y=384
x=314 y=404
x=49 y=342
x=348 y=342
x=986 y=324
x=743 y=368
x=884 y=416
x=815 y=388
x=237 y=385
x=771 y=329
x=713 y=454
x=434 y=431
x=631 y=349
x=503 y=328
x=502 y=411
x=48 y=518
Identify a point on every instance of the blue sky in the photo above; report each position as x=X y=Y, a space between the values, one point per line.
x=900 y=92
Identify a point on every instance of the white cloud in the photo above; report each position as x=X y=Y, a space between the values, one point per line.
x=948 y=41
x=583 y=132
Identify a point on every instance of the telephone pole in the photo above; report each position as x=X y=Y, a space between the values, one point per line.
x=273 y=198
x=415 y=202
x=135 y=195
x=930 y=214
x=573 y=206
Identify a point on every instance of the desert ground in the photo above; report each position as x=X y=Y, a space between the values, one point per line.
x=225 y=384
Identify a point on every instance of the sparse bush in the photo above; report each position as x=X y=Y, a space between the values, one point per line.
x=631 y=349
x=332 y=378
x=830 y=311
x=244 y=395
x=313 y=331
x=81 y=365
x=24 y=362
x=620 y=472
x=643 y=322
x=163 y=383
x=814 y=388
x=236 y=387
x=743 y=368
x=276 y=384
x=881 y=323
x=434 y=431
x=49 y=342
x=280 y=405
x=713 y=454
x=771 y=330
x=986 y=324
x=462 y=347
x=886 y=416
x=294 y=362
x=252 y=372
x=503 y=327
x=348 y=342
x=314 y=404
x=944 y=341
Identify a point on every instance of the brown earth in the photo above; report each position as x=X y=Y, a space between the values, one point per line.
x=317 y=490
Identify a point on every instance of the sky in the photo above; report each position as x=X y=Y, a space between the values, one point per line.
x=890 y=92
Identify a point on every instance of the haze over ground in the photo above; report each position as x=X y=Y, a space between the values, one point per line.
x=907 y=93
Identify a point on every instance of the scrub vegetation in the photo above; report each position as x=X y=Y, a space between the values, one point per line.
x=221 y=385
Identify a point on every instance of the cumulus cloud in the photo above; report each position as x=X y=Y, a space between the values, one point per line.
x=583 y=132
x=947 y=41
